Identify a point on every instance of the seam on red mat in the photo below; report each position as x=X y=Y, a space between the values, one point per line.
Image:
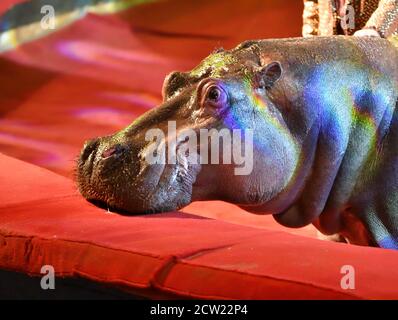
x=5 y=233
x=73 y=271
x=78 y=242
x=166 y=258
x=173 y=260
x=309 y=284
x=116 y=281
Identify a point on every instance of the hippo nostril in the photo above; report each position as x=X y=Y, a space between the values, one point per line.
x=89 y=147
x=115 y=150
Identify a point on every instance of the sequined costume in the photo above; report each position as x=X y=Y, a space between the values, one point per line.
x=324 y=17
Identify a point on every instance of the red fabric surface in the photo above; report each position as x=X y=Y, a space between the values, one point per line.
x=94 y=77
x=174 y=254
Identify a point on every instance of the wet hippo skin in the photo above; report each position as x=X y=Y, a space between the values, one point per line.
x=325 y=135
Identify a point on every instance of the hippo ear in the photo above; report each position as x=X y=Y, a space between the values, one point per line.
x=268 y=75
x=174 y=81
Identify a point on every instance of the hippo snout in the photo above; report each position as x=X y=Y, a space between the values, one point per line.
x=99 y=154
x=90 y=146
x=113 y=151
x=105 y=170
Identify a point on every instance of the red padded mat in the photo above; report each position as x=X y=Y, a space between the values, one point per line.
x=173 y=254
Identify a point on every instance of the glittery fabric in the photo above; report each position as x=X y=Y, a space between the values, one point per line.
x=327 y=19
x=323 y=17
x=385 y=18
x=310 y=18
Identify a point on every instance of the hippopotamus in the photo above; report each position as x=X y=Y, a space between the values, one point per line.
x=324 y=125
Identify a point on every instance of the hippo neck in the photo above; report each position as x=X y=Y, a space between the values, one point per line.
x=345 y=149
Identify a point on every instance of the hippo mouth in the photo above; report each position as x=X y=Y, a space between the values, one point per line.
x=118 y=179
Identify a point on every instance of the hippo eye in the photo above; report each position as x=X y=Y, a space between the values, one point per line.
x=215 y=95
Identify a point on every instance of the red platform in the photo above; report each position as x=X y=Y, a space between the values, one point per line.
x=174 y=254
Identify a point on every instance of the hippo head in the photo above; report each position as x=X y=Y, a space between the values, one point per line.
x=218 y=134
